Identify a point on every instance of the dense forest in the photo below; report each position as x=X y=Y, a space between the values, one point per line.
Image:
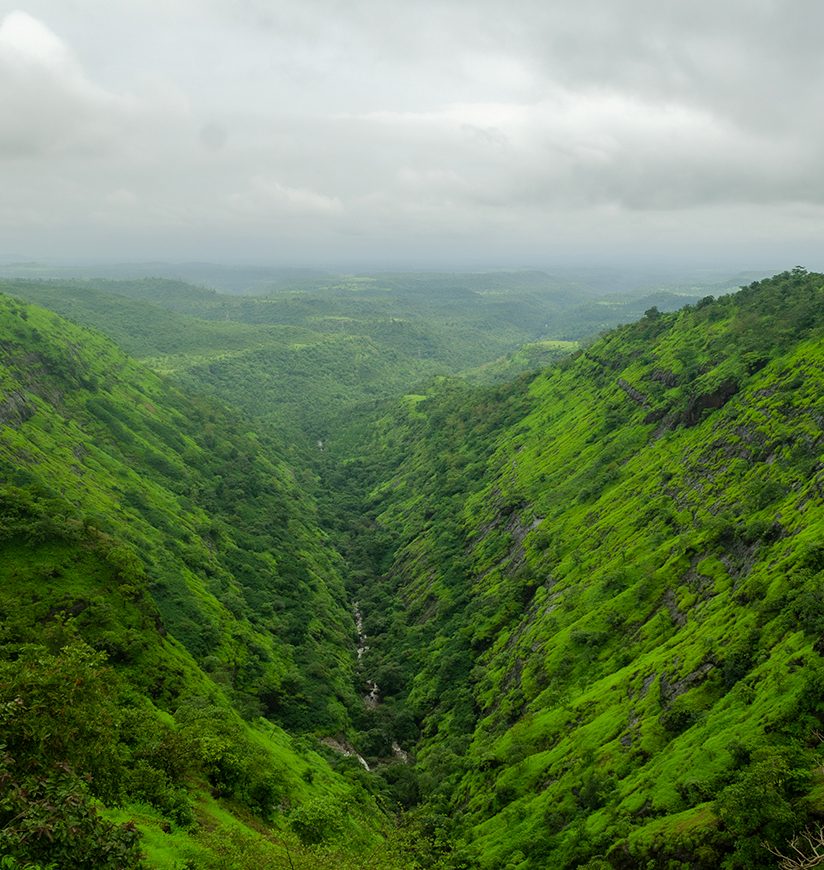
x=411 y=572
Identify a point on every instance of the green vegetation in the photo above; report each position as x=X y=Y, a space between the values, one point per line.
x=591 y=595
x=185 y=506
x=304 y=359
x=164 y=585
x=604 y=588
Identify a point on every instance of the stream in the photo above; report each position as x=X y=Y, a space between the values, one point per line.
x=372 y=698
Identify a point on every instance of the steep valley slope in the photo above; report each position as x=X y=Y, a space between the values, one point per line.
x=169 y=605
x=599 y=595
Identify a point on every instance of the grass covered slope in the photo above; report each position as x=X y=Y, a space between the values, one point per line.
x=161 y=573
x=592 y=596
x=608 y=584
x=199 y=512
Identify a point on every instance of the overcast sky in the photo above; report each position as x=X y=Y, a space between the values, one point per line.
x=414 y=132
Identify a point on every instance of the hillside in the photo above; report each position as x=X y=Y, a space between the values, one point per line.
x=163 y=586
x=605 y=588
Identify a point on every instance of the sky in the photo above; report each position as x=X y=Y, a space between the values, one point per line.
x=433 y=133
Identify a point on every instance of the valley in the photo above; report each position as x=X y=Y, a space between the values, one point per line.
x=411 y=571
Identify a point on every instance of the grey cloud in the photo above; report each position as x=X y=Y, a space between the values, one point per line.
x=46 y=102
x=254 y=129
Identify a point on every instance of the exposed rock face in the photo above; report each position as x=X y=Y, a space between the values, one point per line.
x=15 y=410
x=344 y=747
x=709 y=401
x=636 y=395
x=670 y=690
x=662 y=376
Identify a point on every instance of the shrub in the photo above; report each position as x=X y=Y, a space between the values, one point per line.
x=49 y=818
x=316 y=821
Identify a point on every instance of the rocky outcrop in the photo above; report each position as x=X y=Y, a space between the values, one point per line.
x=662 y=376
x=711 y=401
x=15 y=410
x=671 y=689
x=636 y=395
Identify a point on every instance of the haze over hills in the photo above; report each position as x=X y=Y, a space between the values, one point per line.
x=568 y=619
x=583 y=280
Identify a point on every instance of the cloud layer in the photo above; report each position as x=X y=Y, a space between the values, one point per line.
x=433 y=133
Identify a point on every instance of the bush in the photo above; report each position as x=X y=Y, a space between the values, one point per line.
x=316 y=821
x=757 y=807
x=151 y=785
x=233 y=765
x=49 y=818
x=61 y=710
x=677 y=718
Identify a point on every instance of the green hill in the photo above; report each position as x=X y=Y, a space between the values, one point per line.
x=305 y=359
x=606 y=592
x=163 y=586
